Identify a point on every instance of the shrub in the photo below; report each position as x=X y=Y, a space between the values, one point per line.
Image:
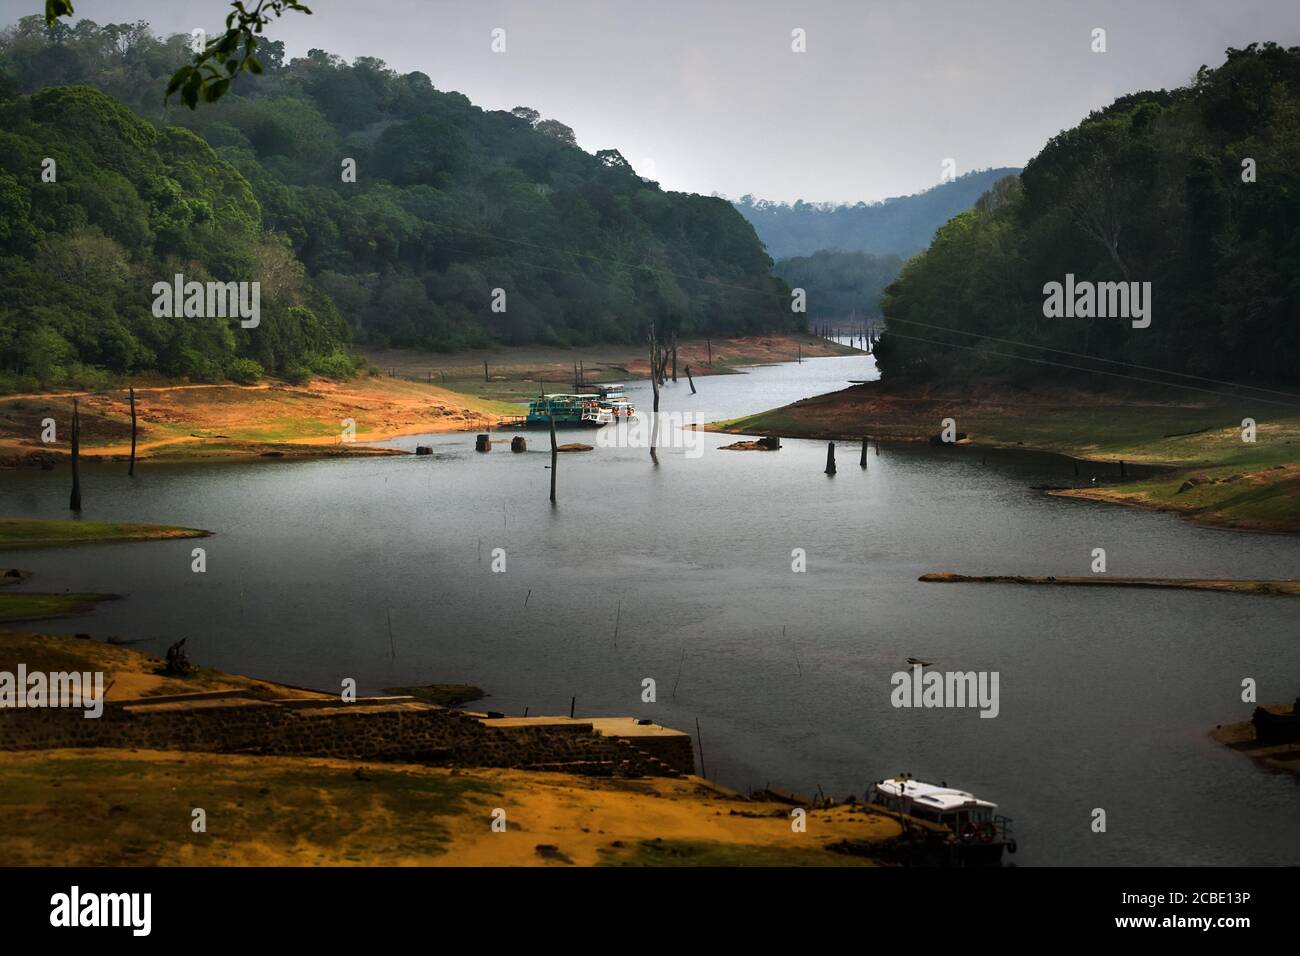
x=337 y=364
x=244 y=372
x=297 y=375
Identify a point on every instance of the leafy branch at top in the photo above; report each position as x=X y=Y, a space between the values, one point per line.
x=208 y=77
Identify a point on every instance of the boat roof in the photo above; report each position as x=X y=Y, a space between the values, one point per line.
x=930 y=795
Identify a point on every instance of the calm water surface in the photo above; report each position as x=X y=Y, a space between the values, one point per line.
x=682 y=573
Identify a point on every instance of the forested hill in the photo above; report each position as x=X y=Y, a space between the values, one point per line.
x=1195 y=190
x=841 y=286
x=450 y=202
x=893 y=227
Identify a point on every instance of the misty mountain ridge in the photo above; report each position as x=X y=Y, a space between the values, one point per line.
x=899 y=226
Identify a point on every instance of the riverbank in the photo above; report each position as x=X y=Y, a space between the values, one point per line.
x=199 y=422
x=51 y=532
x=1241 y=737
x=518 y=374
x=418 y=393
x=115 y=805
x=1207 y=472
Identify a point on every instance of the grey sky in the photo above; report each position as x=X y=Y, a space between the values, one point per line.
x=707 y=96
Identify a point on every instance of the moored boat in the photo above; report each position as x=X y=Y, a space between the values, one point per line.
x=612 y=398
x=568 y=411
x=977 y=832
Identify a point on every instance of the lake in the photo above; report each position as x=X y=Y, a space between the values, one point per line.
x=681 y=573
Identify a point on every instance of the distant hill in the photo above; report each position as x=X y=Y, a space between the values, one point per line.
x=901 y=226
x=462 y=226
x=840 y=285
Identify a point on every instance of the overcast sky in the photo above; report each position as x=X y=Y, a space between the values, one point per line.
x=707 y=95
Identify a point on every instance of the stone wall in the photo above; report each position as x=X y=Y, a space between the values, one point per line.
x=401 y=730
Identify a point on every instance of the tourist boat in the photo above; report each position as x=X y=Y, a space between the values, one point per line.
x=612 y=398
x=569 y=411
x=978 y=834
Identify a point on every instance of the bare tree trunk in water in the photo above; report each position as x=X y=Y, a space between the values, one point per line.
x=131 y=470
x=74 y=502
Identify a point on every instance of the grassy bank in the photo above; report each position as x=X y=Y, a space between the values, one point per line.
x=1211 y=475
x=105 y=807
x=196 y=422
x=29 y=606
x=43 y=532
x=115 y=807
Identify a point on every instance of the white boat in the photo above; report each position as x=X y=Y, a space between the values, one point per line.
x=978 y=832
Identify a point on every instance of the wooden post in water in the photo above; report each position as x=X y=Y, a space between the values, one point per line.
x=555 y=457
x=800 y=353
x=573 y=703
x=654 y=382
x=74 y=502
x=485 y=375
x=709 y=342
x=674 y=356
x=689 y=379
x=699 y=742
x=830 y=458
x=1121 y=467
x=131 y=468
x=863 y=460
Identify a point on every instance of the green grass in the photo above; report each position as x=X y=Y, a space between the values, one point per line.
x=107 y=811
x=41 y=532
x=707 y=853
x=1192 y=439
x=38 y=607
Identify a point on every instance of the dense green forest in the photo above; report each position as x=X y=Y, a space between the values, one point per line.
x=901 y=226
x=449 y=203
x=1150 y=189
x=127 y=205
x=840 y=285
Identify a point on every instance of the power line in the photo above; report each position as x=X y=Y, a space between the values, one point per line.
x=1097 y=371
x=1094 y=358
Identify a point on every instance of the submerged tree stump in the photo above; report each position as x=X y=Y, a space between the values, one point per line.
x=74 y=500
x=830 y=458
x=482 y=443
x=518 y=444
x=131 y=469
x=555 y=457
